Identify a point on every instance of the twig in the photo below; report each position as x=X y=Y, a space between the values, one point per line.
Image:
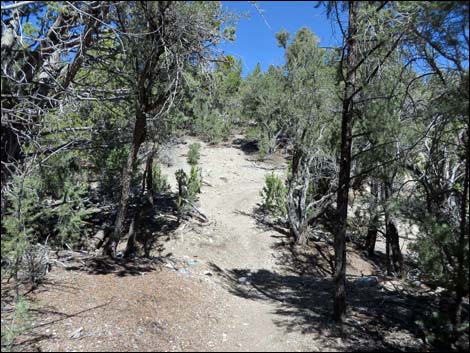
x=203 y=216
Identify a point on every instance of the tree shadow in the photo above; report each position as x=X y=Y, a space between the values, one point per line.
x=33 y=337
x=121 y=267
x=264 y=222
x=302 y=293
x=248 y=146
x=313 y=259
x=304 y=304
x=37 y=318
x=156 y=224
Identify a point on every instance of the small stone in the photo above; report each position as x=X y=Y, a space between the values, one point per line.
x=208 y=273
x=184 y=271
x=243 y=280
x=368 y=281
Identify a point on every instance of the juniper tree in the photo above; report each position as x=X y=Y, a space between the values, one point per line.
x=158 y=40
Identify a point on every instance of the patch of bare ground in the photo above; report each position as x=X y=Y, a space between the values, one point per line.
x=124 y=306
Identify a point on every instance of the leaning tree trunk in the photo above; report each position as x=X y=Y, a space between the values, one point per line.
x=339 y=306
x=137 y=139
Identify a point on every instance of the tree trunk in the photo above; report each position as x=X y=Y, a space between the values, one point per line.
x=394 y=243
x=339 y=306
x=372 y=235
x=138 y=138
x=147 y=180
x=395 y=264
x=302 y=236
x=460 y=288
x=131 y=241
x=373 y=222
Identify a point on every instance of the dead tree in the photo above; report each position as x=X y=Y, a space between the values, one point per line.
x=311 y=190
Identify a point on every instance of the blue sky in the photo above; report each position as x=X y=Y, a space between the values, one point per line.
x=256 y=41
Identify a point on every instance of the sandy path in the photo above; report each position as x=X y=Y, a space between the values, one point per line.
x=235 y=244
x=235 y=182
x=229 y=288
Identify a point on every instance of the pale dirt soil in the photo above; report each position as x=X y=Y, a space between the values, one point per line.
x=232 y=284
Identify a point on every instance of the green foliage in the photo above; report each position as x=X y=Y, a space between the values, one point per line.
x=70 y=214
x=212 y=128
x=194 y=183
x=188 y=187
x=194 y=153
x=42 y=206
x=282 y=38
x=263 y=147
x=264 y=105
x=62 y=210
x=274 y=196
x=436 y=248
x=182 y=180
x=19 y=222
x=56 y=171
x=110 y=164
x=440 y=333
x=18 y=324
x=211 y=116
x=160 y=182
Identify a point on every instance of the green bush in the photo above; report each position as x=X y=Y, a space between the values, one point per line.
x=18 y=223
x=194 y=183
x=188 y=187
x=194 y=154
x=160 y=182
x=212 y=127
x=110 y=163
x=274 y=196
x=18 y=324
x=263 y=145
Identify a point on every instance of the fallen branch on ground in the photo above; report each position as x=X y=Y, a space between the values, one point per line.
x=202 y=215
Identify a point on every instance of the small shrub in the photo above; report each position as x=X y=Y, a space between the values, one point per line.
x=160 y=182
x=194 y=183
x=263 y=146
x=212 y=127
x=111 y=163
x=188 y=187
x=182 y=180
x=194 y=154
x=19 y=324
x=274 y=196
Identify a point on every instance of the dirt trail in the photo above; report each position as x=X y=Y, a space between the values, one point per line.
x=233 y=241
x=234 y=248
x=231 y=190
x=230 y=290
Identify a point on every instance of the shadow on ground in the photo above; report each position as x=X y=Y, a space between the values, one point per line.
x=249 y=147
x=103 y=265
x=315 y=259
x=302 y=292
x=377 y=320
x=42 y=317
